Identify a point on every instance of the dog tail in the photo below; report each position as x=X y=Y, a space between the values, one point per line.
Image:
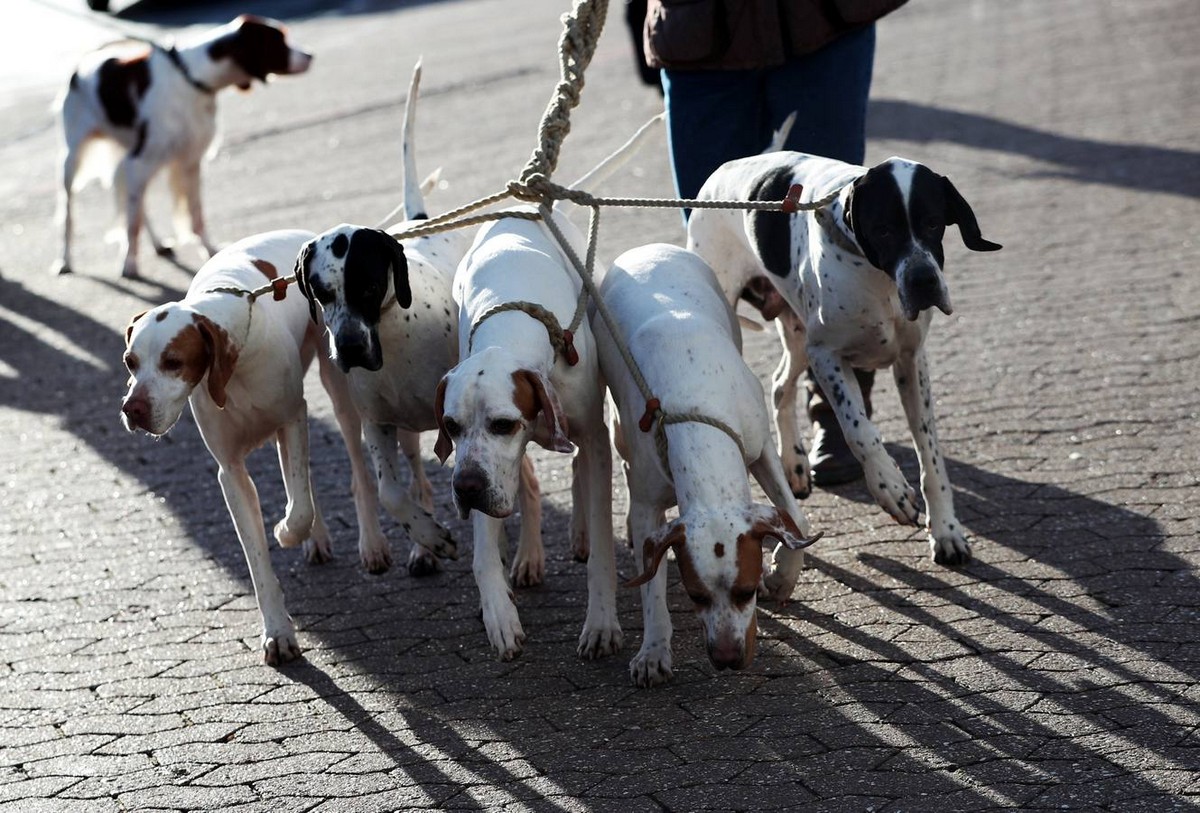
x=412 y=206
x=780 y=136
x=617 y=159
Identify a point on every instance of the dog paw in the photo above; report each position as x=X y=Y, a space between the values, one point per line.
x=949 y=545
x=651 y=666
x=374 y=553
x=130 y=271
x=279 y=645
x=600 y=639
x=317 y=551
x=799 y=473
x=434 y=538
x=528 y=571
x=60 y=268
x=503 y=627
x=422 y=563
x=288 y=532
x=166 y=249
x=889 y=488
x=779 y=580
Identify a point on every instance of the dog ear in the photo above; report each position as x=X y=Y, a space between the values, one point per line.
x=444 y=445
x=959 y=212
x=222 y=357
x=129 y=327
x=768 y=522
x=546 y=400
x=655 y=547
x=303 y=261
x=399 y=271
x=375 y=248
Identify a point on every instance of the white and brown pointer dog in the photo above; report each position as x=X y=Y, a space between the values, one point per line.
x=241 y=364
x=862 y=275
x=133 y=108
x=686 y=341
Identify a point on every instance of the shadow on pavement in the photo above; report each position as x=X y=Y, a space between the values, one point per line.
x=1130 y=166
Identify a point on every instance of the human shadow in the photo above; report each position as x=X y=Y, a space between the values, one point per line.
x=1144 y=167
x=188 y=12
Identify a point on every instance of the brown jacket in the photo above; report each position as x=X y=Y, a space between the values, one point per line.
x=738 y=34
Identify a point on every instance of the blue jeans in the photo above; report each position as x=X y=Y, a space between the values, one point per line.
x=717 y=116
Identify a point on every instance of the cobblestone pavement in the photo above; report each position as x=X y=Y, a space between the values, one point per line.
x=1058 y=670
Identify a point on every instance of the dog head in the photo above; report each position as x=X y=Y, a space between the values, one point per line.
x=168 y=351
x=257 y=48
x=490 y=407
x=720 y=555
x=898 y=212
x=353 y=274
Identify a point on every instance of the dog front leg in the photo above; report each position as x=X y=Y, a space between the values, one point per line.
x=785 y=385
x=497 y=605
x=529 y=565
x=279 y=642
x=884 y=479
x=292 y=443
x=64 y=207
x=651 y=666
x=947 y=539
x=601 y=628
x=430 y=538
x=185 y=185
x=372 y=544
x=786 y=564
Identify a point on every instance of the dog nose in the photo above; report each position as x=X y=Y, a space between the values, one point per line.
x=136 y=412
x=469 y=487
x=727 y=654
x=355 y=352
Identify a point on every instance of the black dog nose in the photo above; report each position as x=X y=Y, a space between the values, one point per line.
x=469 y=486
x=355 y=352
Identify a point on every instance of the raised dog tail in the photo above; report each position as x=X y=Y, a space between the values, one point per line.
x=412 y=205
x=615 y=160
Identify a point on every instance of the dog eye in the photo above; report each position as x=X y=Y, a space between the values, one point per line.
x=702 y=600
x=743 y=596
x=502 y=426
x=452 y=427
x=172 y=365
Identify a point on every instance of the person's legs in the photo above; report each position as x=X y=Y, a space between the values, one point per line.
x=828 y=90
x=712 y=117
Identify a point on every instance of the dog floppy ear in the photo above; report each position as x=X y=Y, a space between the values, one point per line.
x=959 y=212
x=303 y=261
x=672 y=535
x=444 y=445
x=222 y=357
x=533 y=394
x=768 y=522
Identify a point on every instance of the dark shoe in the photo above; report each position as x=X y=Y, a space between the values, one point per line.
x=832 y=461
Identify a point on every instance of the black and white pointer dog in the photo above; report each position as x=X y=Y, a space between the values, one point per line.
x=134 y=107
x=862 y=275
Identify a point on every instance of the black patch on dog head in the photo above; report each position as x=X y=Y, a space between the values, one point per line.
x=340 y=245
x=372 y=255
x=771 y=232
x=878 y=219
x=121 y=84
x=256 y=45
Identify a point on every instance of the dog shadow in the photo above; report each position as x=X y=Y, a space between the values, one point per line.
x=189 y=12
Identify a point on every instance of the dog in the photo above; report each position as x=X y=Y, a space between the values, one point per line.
x=511 y=386
x=392 y=328
x=240 y=363
x=861 y=275
x=685 y=339
x=139 y=107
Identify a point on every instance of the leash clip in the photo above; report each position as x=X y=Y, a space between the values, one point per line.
x=791 y=203
x=279 y=287
x=569 y=351
x=653 y=406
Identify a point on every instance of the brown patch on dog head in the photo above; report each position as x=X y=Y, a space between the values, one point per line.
x=533 y=394
x=525 y=395
x=186 y=356
x=268 y=270
x=133 y=322
x=749 y=564
x=693 y=585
